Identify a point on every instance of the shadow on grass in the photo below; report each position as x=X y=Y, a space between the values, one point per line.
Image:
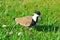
x=46 y=28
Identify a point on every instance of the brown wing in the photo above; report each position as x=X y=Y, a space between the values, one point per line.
x=24 y=21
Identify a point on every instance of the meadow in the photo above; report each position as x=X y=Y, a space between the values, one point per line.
x=47 y=27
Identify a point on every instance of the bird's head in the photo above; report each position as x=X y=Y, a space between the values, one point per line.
x=37 y=13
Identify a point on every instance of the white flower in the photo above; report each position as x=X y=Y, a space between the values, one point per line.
x=10 y=33
x=19 y=33
x=3 y=25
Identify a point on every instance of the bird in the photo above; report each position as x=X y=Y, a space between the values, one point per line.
x=28 y=20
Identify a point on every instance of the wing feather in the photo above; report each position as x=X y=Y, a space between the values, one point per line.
x=24 y=20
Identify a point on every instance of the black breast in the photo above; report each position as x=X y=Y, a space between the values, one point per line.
x=33 y=22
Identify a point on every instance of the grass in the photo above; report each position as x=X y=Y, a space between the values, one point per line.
x=48 y=24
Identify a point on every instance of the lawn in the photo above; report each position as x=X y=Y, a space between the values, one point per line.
x=47 y=27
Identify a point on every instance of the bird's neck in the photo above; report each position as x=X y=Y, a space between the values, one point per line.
x=35 y=17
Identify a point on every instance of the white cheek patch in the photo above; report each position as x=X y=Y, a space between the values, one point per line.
x=35 y=17
x=35 y=14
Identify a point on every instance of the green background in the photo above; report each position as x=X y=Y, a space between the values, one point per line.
x=47 y=27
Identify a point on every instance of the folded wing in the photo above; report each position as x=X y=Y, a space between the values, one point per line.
x=26 y=21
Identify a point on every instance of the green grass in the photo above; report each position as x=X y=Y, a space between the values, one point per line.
x=46 y=27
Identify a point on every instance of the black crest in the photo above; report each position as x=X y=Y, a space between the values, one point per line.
x=37 y=12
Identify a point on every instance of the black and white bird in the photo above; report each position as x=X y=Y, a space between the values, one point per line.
x=28 y=20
